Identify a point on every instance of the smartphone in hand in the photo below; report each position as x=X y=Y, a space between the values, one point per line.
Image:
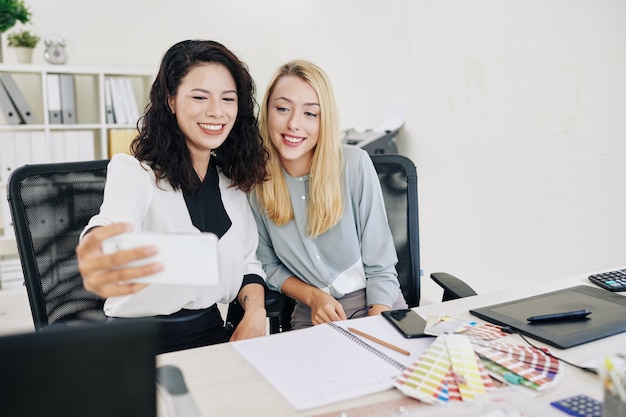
x=187 y=259
x=407 y=322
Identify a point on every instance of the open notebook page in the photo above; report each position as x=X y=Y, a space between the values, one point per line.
x=321 y=365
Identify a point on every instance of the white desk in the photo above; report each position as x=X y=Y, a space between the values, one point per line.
x=224 y=384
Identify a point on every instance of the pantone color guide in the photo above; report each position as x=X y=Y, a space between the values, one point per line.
x=463 y=365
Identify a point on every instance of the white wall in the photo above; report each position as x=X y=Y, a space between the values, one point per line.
x=515 y=109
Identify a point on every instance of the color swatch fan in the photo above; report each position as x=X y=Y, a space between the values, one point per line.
x=448 y=370
x=463 y=365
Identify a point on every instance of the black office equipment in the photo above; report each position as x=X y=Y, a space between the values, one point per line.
x=407 y=322
x=608 y=318
x=610 y=280
x=579 y=406
x=50 y=205
x=96 y=370
x=374 y=143
x=398 y=180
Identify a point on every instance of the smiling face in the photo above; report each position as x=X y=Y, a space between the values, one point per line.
x=293 y=123
x=206 y=107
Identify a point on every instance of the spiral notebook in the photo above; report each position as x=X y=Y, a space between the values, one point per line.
x=325 y=364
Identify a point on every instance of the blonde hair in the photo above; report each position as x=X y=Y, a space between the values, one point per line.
x=325 y=203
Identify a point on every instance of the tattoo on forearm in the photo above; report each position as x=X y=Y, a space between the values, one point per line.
x=244 y=300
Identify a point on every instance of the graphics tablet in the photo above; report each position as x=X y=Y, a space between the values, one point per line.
x=607 y=318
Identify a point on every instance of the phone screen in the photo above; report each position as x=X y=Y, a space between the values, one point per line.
x=407 y=322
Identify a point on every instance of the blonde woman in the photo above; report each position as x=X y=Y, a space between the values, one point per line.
x=324 y=239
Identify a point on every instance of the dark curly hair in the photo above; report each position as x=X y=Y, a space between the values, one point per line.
x=162 y=145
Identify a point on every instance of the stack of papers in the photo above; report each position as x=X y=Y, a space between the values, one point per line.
x=467 y=359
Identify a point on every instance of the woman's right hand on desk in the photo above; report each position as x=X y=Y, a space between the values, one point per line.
x=324 y=307
x=101 y=273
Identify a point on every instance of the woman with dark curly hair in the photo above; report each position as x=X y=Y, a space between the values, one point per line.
x=197 y=153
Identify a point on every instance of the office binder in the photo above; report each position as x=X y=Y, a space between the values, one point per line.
x=38 y=147
x=53 y=83
x=86 y=147
x=130 y=100
x=68 y=99
x=17 y=98
x=7 y=156
x=120 y=139
x=21 y=142
x=10 y=115
x=7 y=224
x=71 y=140
x=108 y=102
x=117 y=98
x=57 y=146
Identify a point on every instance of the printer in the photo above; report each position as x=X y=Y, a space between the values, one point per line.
x=372 y=141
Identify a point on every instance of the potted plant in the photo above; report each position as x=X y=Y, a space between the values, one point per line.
x=24 y=42
x=12 y=11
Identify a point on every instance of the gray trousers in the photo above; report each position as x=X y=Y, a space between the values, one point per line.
x=352 y=303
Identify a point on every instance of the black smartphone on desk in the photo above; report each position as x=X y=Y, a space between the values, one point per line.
x=407 y=322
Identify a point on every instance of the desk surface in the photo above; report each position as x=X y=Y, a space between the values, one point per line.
x=241 y=391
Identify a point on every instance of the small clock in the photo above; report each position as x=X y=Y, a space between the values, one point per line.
x=55 y=50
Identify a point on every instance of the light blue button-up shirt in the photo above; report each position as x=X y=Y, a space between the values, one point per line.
x=358 y=248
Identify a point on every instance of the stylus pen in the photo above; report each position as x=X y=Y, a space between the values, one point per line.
x=567 y=315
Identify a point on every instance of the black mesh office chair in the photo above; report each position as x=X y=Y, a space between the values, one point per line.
x=50 y=205
x=398 y=180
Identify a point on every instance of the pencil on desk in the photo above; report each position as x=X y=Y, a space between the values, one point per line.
x=380 y=342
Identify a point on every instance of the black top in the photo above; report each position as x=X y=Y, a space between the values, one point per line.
x=208 y=214
x=206 y=207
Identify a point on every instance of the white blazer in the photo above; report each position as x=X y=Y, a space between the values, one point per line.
x=131 y=195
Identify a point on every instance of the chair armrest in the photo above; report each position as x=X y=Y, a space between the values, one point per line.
x=279 y=308
x=453 y=287
x=171 y=386
x=274 y=306
x=274 y=303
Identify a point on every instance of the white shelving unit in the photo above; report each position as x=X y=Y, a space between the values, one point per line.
x=90 y=112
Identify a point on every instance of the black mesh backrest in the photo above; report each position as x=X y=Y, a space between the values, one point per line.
x=50 y=205
x=398 y=179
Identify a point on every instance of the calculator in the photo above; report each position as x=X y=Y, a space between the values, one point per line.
x=611 y=280
x=579 y=406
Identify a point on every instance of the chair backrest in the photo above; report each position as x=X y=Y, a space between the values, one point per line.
x=398 y=180
x=50 y=205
